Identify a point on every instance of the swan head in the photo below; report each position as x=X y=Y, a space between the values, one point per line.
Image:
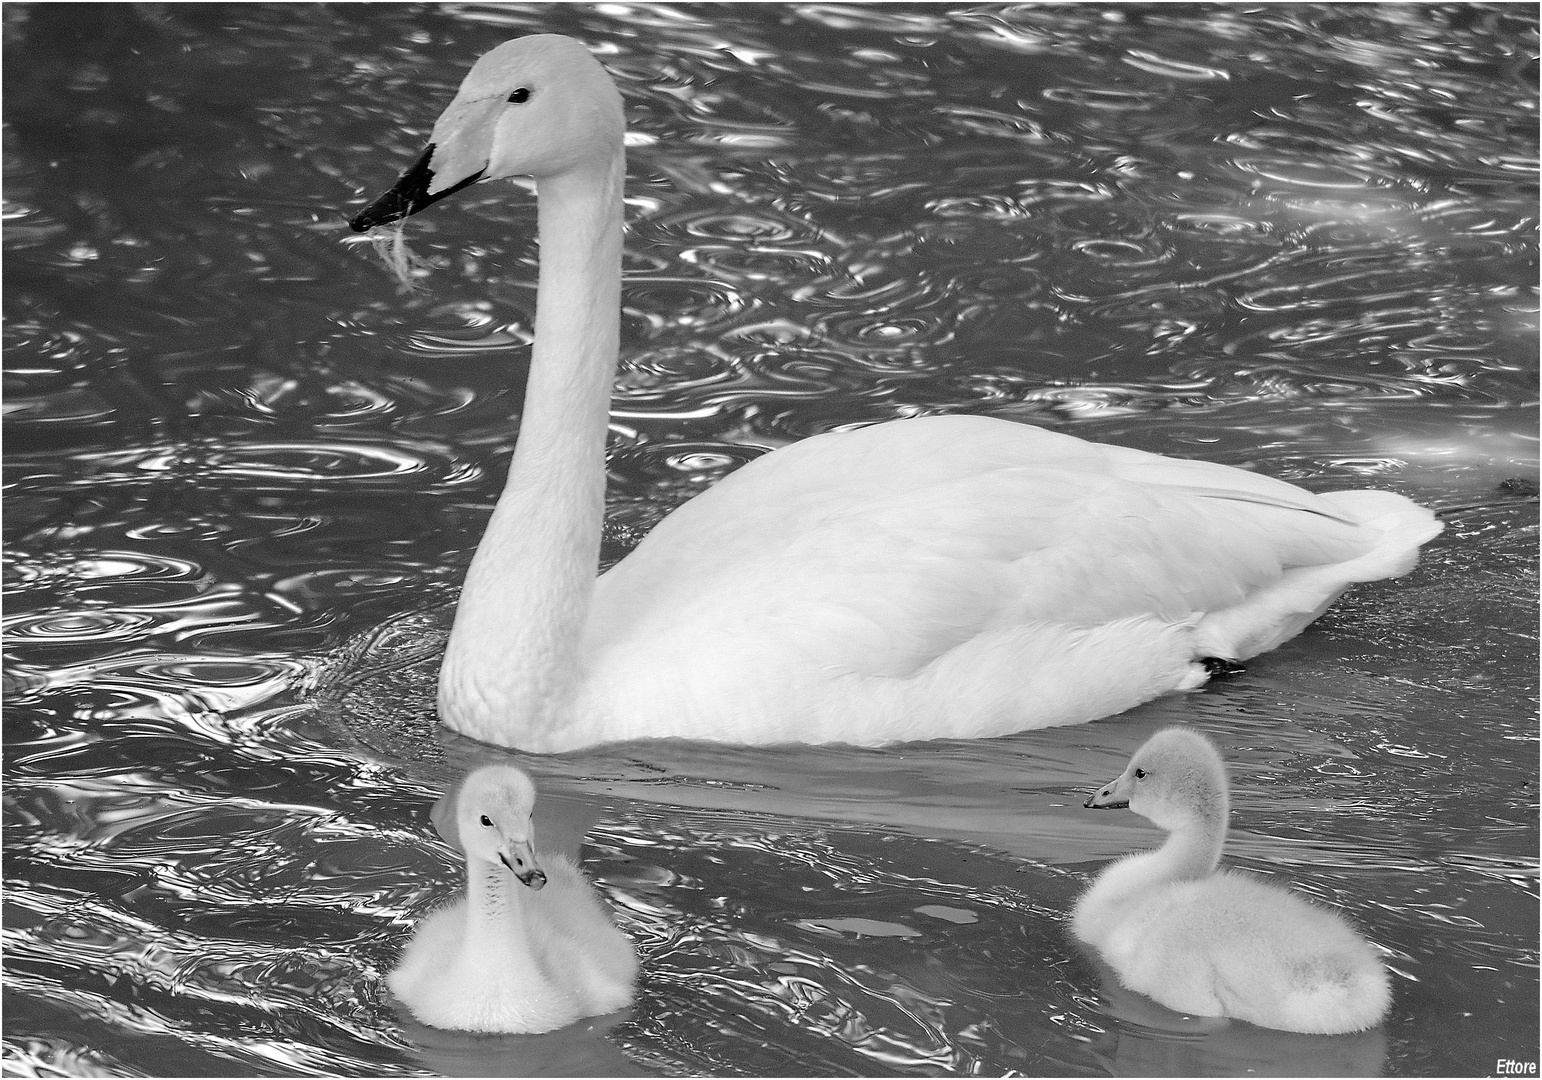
x=493 y=818
x=1176 y=780
x=535 y=106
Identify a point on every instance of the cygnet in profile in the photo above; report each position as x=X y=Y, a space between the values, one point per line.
x=531 y=946
x=1212 y=942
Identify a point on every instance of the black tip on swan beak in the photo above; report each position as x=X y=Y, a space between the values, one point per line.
x=534 y=878
x=1105 y=792
x=408 y=195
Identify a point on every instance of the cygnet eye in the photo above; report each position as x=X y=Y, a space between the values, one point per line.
x=520 y=96
x=1140 y=774
x=487 y=821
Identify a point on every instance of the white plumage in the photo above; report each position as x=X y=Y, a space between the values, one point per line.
x=531 y=946
x=1215 y=942
x=926 y=578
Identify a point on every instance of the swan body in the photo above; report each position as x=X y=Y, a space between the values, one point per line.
x=530 y=947
x=937 y=577
x=1214 y=942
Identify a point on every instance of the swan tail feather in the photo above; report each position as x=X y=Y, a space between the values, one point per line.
x=1276 y=614
x=1405 y=526
x=1336 y=997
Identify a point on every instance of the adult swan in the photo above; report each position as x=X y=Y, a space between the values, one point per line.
x=943 y=577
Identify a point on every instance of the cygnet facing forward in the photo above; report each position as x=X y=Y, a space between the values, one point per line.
x=530 y=947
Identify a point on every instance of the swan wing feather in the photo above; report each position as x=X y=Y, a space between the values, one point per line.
x=953 y=576
x=900 y=556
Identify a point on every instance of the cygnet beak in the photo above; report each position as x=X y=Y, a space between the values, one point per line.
x=520 y=859
x=1111 y=796
x=457 y=156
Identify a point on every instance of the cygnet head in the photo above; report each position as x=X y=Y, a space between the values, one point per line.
x=493 y=816
x=534 y=106
x=1177 y=781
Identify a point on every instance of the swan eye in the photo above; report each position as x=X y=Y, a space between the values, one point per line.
x=1140 y=774
x=520 y=96
x=487 y=821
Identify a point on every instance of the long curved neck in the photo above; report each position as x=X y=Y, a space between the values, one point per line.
x=491 y=892
x=1190 y=853
x=495 y=914
x=511 y=666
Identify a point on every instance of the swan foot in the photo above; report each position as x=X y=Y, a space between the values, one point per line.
x=1218 y=667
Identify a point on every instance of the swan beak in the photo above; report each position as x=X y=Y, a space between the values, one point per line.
x=520 y=859
x=457 y=156
x=1111 y=796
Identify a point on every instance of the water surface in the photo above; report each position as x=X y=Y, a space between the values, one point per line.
x=245 y=475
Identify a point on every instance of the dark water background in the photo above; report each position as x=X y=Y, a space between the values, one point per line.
x=245 y=476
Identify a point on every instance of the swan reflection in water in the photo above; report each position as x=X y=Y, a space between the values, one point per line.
x=581 y=1049
x=1142 y=1038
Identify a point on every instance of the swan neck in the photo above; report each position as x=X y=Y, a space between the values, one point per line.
x=1196 y=832
x=511 y=667
x=1191 y=852
x=494 y=901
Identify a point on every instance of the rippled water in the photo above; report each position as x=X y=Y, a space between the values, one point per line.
x=245 y=476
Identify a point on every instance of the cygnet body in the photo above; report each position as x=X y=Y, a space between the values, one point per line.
x=530 y=947
x=1212 y=942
